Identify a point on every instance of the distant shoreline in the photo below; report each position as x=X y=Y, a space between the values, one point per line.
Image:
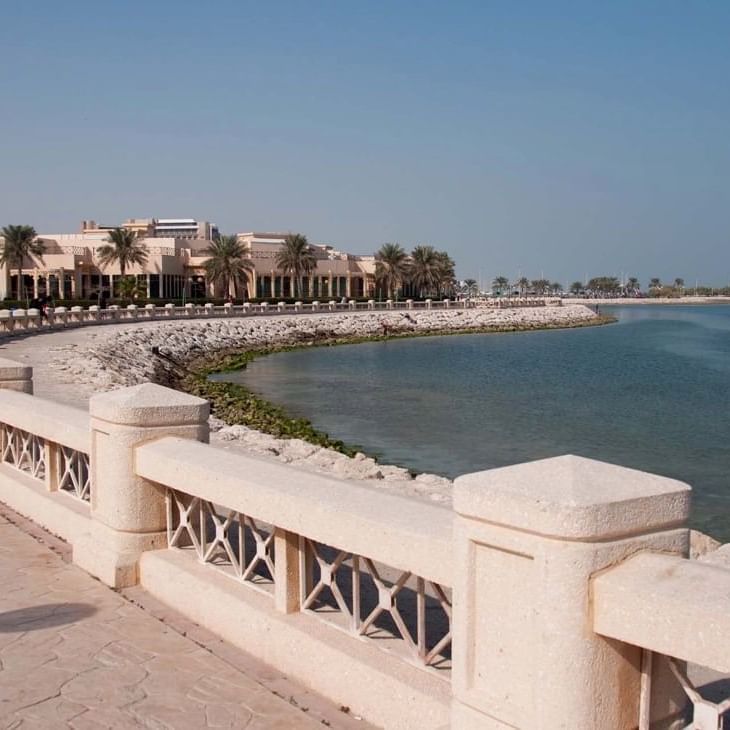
x=648 y=300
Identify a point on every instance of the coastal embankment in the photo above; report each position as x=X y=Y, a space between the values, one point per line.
x=81 y=362
x=631 y=301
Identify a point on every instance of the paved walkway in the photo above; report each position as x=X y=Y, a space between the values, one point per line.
x=75 y=654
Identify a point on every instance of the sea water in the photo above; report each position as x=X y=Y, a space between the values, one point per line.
x=651 y=392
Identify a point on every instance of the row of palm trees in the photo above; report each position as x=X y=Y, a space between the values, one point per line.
x=540 y=287
x=425 y=270
x=611 y=286
x=22 y=242
x=227 y=267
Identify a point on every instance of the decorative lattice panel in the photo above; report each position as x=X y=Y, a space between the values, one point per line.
x=403 y=612
x=228 y=540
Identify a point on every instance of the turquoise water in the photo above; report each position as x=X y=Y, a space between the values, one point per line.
x=650 y=392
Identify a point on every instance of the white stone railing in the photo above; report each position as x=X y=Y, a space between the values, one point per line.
x=676 y=611
x=47 y=441
x=358 y=561
x=21 y=320
x=573 y=602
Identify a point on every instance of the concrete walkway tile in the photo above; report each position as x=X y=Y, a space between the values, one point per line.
x=19 y=690
x=75 y=654
x=55 y=712
x=109 y=687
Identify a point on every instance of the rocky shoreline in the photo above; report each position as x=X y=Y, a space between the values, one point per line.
x=164 y=352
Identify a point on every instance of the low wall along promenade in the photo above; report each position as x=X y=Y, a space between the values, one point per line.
x=554 y=594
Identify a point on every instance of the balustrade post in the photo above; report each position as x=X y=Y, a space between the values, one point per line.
x=527 y=540
x=51 y=458
x=129 y=513
x=287 y=569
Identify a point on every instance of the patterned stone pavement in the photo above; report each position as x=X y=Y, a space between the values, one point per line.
x=75 y=654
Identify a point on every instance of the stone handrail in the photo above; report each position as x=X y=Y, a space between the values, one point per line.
x=676 y=609
x=647 y=598
x=48 y=442
x=50 y=421
x=401 y=532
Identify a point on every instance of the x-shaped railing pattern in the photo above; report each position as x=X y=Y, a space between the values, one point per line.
x=706 y=715
x=74 y=474
x=219 y=537
x=386 y=603
x=24 y=451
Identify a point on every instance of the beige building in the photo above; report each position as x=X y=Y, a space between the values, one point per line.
x=176 y=251
x=337 y=274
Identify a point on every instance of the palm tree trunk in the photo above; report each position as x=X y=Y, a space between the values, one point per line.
x=20 y=280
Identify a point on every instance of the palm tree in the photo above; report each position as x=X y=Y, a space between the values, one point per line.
x=296 y=256
x=499 y=283
x=523 y=283
x=130 y=288
x=124 y=248
x=655 y=284
x=470 y=287
x=426 y=270
x=227 y=264
x=679 y=285
x=633 y=285
x=576 y=287
x=391 y=267
x=446 y=276
x=20 y=242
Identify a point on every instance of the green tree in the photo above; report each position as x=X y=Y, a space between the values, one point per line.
x=122 y=247
x=426 y=270
x=604 y=286
x=446 y=275
x=499 y=284
x=297 y=257
x=576 y=287
x=129 y=288
x=632 y=285
x=227 y=265
x=523 y=284
x=19 y=243
x=470 y=287
x=391 y=268
x=540 y=286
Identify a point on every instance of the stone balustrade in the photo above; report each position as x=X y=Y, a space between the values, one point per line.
x=555 y=594
x=21 y=320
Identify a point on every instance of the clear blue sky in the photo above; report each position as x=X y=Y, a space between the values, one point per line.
x=568 y=138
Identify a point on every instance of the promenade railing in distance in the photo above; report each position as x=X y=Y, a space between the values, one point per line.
x=555 y=594
x=25 y=320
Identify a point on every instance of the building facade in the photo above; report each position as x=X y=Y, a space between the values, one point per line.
x=175 y=268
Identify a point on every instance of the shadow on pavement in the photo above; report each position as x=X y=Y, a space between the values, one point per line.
x=43 y=616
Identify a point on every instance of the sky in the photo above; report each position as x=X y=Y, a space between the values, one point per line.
x=541 y=139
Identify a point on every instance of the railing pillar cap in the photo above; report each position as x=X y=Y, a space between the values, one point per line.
x=149 y=405
x=573 y=498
